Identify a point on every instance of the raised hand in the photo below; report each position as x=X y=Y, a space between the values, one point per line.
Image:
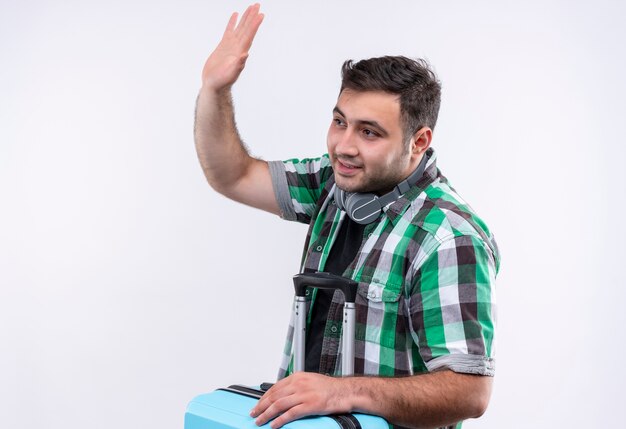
x=227 y=61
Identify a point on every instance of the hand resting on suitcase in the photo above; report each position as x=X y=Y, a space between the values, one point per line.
x=429 y=400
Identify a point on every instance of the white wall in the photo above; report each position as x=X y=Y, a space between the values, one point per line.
x=127 y=286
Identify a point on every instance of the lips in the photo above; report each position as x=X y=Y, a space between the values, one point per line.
x=346 y=168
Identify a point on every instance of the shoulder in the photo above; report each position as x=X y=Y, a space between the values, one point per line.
x=447 y=220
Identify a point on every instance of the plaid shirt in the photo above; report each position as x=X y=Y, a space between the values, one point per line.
x=426 y=271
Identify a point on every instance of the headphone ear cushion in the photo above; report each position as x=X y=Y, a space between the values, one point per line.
x=353 y=200
x=362 y=208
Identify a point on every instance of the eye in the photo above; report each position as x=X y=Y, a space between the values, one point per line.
x=338 y=122
x=369 y=133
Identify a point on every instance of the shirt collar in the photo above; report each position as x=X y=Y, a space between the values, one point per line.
x=396 y=209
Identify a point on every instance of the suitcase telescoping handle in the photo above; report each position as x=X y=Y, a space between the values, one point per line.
x=325 y=281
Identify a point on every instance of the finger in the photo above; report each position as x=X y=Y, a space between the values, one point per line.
x=244 y=17
x=248 y=37
x=279 y=407
x=246 y=21
x=231 y=23
x=276 y=392
x=292 y=414
x=253 y=12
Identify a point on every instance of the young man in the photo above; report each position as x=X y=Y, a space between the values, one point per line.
x=425 y=263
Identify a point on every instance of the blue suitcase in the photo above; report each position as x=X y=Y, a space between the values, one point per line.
x=229 y=408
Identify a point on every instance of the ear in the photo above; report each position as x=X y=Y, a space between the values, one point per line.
x=421 y=141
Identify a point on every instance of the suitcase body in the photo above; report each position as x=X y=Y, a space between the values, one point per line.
x=229 y=408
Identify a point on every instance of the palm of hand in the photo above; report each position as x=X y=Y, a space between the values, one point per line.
x=227 y=61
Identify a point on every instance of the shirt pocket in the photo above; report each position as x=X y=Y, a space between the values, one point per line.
x=378 y=307
x=376 y=292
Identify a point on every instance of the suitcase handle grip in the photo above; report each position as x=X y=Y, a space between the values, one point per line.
x=325 y=281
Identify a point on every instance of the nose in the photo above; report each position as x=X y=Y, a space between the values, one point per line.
x=346 y=143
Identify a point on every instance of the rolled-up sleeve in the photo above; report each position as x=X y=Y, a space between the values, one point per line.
x=453 y=307
x=298 y=184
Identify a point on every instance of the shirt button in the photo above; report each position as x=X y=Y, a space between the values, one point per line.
x=333 y=329
x=319 y=248
x=308 y=292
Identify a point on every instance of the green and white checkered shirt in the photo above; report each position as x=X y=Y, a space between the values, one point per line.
x=426 y=271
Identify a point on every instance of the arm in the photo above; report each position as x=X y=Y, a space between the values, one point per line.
x=421 y=401
x=225 y=161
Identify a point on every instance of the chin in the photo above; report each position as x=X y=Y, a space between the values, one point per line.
x=359 y=183
x=351 y=187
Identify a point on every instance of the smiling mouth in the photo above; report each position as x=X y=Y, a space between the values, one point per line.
x=347 y=165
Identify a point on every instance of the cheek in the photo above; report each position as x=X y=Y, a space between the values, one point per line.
x=373 y=157
x=330 y=139
x=380 y=160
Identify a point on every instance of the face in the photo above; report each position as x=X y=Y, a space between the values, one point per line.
x=365 y=142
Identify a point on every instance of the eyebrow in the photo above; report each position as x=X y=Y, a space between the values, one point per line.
x=371 y=123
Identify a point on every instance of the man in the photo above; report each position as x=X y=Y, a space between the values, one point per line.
x=425 y=263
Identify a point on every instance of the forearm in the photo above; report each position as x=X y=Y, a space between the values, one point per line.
x=222 y=154
x=423 y=401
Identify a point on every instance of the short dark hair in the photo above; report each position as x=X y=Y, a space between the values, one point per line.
x=413 y=80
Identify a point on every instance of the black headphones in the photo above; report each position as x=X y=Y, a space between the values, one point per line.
x=364 y=208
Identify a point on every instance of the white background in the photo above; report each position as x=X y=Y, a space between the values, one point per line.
x=127 y=286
